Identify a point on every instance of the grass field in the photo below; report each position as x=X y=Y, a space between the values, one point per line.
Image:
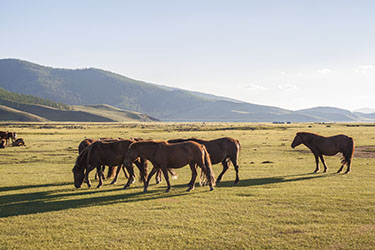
x=276 y=205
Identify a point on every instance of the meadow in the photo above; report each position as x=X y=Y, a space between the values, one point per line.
x=278 y=204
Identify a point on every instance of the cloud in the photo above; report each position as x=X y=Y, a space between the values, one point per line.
x=256 y=87
x=325 y=71
x=365 y=68
x=287 y=86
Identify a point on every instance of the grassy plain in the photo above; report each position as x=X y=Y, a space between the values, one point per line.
x=278 y=205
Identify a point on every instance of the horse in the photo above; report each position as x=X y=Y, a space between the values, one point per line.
x=105 y=153
x=158 y=174
x=320 y=145
x=165 y=155
x=19 y=142
x=220 y=150
x=86 y=142
x=8 y=135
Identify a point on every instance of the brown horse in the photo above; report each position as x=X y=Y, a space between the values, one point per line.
x=165 y=155
x=220 y=150
x=19 y=142
x=8 y=135
x=86 y=142
x=320 y=145
x=104 y=153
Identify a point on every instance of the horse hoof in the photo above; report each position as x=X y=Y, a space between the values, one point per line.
x=167 y=191
x=235 y=183
x=347 y=172
x=113 y=182
x=99 y=186
x=189 y=189
x=211 y=189
x=145 y=190
x=125 y=187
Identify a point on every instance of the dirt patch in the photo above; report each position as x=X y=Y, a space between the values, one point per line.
x=364 y=152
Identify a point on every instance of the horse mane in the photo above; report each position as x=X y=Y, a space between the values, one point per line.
x=184 y=140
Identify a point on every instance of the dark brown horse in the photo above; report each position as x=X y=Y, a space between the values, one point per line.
x=104 y=153
x=220 y=150
x=165 y=155
x=111 y=171
x=8 y=135
x=19 y=142
x=320 y=145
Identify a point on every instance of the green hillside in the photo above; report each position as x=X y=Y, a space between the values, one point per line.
x=29 y=99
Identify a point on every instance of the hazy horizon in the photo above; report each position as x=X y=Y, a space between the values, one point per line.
x=289 y=54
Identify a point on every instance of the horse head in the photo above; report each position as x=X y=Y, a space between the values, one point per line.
x=297 y=140
x=131 y=156
x=79 y=175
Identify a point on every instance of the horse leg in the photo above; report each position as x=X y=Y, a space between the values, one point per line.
x=131 y=176
x=103 y=169
x=324 y=164
x=193 y=176
x=166 y=176
x=87 y=180
x=348 y=169
x=158 y=177
x=225 y=168
x=236 y=167
x=153 y=171
x=123 y=169
x=317 y=163
x=100 y=174
x=116 y=176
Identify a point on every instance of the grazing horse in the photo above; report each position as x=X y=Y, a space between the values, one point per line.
x=220 y=150
x=86 y=142
x=104 y=153
x=165 y=155
x=320 y=145
x=8 y=135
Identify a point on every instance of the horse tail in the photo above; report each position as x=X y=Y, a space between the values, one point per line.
x=173 y=173
x=208 y=167
x=349 y=152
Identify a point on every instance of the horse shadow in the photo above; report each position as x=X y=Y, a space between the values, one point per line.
x=275 y=179
x=67 y=197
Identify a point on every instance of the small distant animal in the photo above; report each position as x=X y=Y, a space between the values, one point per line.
x=8 y=135
x=19 y=142
x=320 y=145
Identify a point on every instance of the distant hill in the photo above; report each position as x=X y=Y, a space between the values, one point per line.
x=9 y=114
x=16 y=111
x=29 y=99
x=331 y=114
x=90 y=87
x=114 y=113
x=365 y=110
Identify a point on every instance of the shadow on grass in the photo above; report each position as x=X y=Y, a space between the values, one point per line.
x=68 y=198
x=275 y=179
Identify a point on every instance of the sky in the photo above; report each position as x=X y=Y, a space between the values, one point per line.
x=289 y=54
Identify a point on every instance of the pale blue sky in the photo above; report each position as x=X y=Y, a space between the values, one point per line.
x=291 y=54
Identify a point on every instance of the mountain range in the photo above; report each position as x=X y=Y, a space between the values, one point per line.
x=99 y=91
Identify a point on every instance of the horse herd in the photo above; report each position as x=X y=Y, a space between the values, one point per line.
x=168 y=155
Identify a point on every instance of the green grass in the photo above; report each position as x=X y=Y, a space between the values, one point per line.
x=280 y=205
